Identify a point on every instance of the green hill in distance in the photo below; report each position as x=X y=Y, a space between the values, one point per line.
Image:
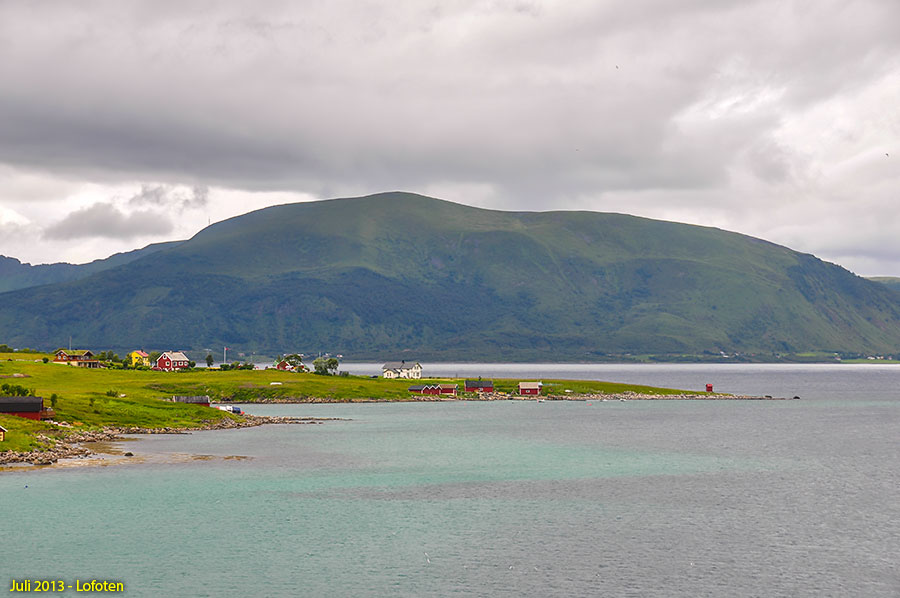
x=399 y=274
x=16 y=275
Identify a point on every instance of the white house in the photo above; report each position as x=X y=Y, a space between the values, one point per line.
x=402 y=369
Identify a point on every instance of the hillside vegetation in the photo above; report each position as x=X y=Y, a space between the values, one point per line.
x=16 y=275
x=399 y=274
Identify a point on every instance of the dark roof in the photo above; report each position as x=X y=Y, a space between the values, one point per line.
x=197 y=399
x=21 y=404
x=416 y=388
x=396 y=365
x=479 y=383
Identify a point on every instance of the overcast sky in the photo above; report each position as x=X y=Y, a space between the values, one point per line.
x=127 y=123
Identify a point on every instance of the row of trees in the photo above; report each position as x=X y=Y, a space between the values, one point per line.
x=15 y=390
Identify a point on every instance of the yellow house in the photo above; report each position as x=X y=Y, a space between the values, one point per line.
x=2 y=433
x=139 y=358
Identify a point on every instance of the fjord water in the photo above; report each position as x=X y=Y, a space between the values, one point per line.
x=511 y=498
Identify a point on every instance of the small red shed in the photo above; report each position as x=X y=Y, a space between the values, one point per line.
x=530 y=388
x=479 y=386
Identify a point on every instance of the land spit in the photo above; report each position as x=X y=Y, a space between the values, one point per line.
x=494 y=396
x=70 y=446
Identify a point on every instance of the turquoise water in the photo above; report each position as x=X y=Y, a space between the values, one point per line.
x=484 y=499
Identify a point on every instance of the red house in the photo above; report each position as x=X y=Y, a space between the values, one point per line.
x=27 y=407
x=433 y=389
x=171 y=361
x=479 y=386
x=530 y=388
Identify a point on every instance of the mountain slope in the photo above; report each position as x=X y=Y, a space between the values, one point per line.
x=892 y=282
x=16 y=275
x=401 y=274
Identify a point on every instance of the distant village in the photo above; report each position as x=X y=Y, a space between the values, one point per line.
x=15 y=400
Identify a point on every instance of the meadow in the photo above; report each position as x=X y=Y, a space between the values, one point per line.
x=97 y=398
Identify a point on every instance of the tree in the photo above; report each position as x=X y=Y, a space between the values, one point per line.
x=209 y=360
x=326 y=367
x=14 y=390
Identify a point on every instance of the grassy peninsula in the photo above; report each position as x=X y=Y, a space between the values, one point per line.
x=95 y=399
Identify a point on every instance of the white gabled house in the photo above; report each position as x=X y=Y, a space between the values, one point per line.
x=402 y=369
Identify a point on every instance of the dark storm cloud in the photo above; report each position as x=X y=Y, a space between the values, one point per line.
x=644 y=106
x=581 y=97
x=105 y=220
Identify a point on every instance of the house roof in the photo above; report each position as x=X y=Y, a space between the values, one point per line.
x=417 y=387
x=531 y=384
x=21 y=404
x=74 y=352
x=2 y=429
x=448 y=385
x=479 y=383
x=196 y=399
x=175 y=356
x=400 y=365
x=139 y=353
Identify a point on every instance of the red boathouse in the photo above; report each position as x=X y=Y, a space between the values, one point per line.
x=479 y=386
x=27 y=407
x=530 y=388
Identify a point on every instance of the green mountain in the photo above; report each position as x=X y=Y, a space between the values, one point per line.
x=398 y=274
x=16 y=275
x=891 y=282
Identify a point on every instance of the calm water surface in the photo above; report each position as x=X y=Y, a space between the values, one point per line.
x=794 y=498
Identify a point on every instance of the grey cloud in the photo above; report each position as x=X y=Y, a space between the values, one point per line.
x=166 y=196
x=550 y=105
x=105 y=220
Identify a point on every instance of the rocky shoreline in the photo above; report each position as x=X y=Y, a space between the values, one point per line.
x=70 y=446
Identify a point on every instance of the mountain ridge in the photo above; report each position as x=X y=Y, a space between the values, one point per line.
x=404 y=274
x=15 y=275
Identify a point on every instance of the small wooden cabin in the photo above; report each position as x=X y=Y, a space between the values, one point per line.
x=479 y=386
x=530 y=388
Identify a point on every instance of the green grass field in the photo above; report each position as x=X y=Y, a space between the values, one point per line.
x=92 y=399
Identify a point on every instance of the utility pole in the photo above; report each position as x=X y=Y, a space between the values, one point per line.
x=225 y=355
